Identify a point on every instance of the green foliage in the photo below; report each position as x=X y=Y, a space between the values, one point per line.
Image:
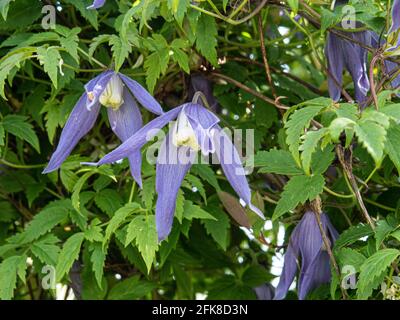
x=310 y=186
x=372 y=269
x=69 y=253
x=95 y=226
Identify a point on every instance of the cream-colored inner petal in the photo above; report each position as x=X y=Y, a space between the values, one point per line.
x=183 y=133
x=112 y=96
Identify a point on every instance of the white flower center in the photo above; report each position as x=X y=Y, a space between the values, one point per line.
x=183 y=133
x=112 y=96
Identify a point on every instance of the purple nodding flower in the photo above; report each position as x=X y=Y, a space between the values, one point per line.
x=395 y=16
x=306 y=242
x=199 y=82
x=117 y=92
x=97 y=4
x=265 y=292
x=391 y=67
x=342 y=53
x=196 y=129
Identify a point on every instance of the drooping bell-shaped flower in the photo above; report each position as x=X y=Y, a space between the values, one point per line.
x=394 y=37
x=344 y=54
x=119 y=94
x=196 y=128
x=265 y=292
x=97 y=4
x=395 y=16
x=199 y=82
x=306 y=243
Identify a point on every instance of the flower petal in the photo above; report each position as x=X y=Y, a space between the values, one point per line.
x=140 y=138
x=199 y=82
x=97 y=4
x=95 y=87
x=200 y=115
x=395 y=16
x=170 y=172
x=289 y=270
x=333 y=53
x=232 y=167
x=333 y=234
x=265 y=292
x=310 y=239
x=141 y=95
x=318 y=273
x=355 y=58
x=125 y=121
x=80 y=121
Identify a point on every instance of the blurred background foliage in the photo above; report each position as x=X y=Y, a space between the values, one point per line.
x=76 y=219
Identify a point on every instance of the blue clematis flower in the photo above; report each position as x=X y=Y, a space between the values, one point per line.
x=306 y=242
x=97 y=4
x=195 y=129
x=199 y=82
x=341 y=53
x=117 y=92
x=395 y=16
x=265 y=292
x=392 y=67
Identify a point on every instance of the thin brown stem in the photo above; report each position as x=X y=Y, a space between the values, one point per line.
x=345 y=159
x=265 y=58
x=249 y=90
x=316 y=207
x=276 y=70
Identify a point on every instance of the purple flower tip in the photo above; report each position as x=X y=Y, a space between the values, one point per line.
x=306 y=243
x=96 y=4
x=119 y=94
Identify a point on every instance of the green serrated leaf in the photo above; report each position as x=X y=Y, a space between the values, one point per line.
x=309 y=146
x=130 y=289
x=119 y=218
x=148 y=192
x=155 y=65
x=352 y=235
x=295 y=126
x=372 y=269
x=69 y=253
x=193 y=211
x=350 y=257
x=75 y=198
x=120 y=49
x=392 y=145
x=46 y=252
x=382 y=230
x=206 y=38
x=373 y=137
x=142 y=229
x=12 y=61
x=276 y=161
x=219 y=228
x=50 y=59
x=89 y=15
x=108 y=200
x=298 y=190
x=44 y=221
x=179 y=8
x=103 y=38
x=97 y=259
x=8 y=276
x=18 y=126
